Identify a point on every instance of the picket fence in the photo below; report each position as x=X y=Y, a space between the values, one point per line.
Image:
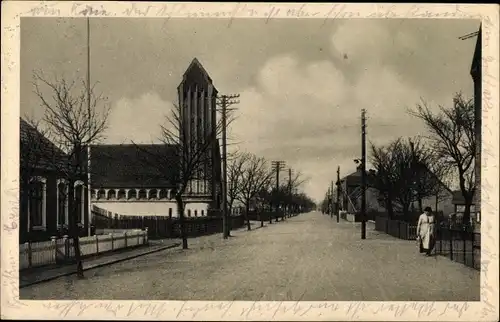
x=61 y=250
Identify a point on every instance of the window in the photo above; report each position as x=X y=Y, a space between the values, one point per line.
x=111 y=194
x=170 y=212
x=132 y=194
x=203 y=213
x=142 y=194
x=37 y=203
x=121 y=195
x=62 y=203
x=189 y=212
x=196 y=213
x=79 y=201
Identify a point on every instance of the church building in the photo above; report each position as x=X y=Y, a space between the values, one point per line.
x=141 y=180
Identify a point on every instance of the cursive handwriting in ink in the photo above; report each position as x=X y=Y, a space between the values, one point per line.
x=86 y=10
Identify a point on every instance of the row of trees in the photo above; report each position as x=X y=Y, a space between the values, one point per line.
x=251 y=181
x=409 y=170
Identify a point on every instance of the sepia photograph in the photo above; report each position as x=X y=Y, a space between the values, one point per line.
x=237 y=159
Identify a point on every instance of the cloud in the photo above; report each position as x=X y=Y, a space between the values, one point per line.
x=129 y=121
x=308 y=113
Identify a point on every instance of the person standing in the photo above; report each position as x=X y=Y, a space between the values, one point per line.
x=426 y=231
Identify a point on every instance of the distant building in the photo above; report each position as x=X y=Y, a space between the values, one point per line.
x=125 y=179
x=475 y=72
x=43 y=199
x=350 y=200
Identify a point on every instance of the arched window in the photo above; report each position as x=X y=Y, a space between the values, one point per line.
x=37 y=203
x=62 y=203
x=112 y=194
x=132 y=194
x=153 y=194
x=162 y=194
x=142 y=194
x=101 y=194
x=79 y=201
x=196 y=213
x=121 y=194
x=170 y=212
x=203 y=213
x=189 y=212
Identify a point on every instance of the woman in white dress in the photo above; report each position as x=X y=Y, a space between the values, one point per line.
x=426 y=231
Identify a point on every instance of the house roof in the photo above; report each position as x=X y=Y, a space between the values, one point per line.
x=36 y=150
x=476 y=59
x=130 y=165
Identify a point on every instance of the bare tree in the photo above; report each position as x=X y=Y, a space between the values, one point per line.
x=256 y=176
x=454 y=141
x=404 y=174
x=384 y=177
x=75 y=117
x=195 y=158
x=235 y=169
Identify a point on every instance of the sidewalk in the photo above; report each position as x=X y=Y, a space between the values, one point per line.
x=43 y=274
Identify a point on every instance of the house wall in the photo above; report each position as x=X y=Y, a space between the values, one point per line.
x=152 y=208
x=51 y=212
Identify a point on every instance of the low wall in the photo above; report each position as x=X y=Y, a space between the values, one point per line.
x=61 y=250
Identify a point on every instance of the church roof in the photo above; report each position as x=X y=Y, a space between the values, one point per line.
x=194 y=71
x=133 y=166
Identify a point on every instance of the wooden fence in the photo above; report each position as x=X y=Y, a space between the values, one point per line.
x=265 y=215
x=167 y=227
x=61 y=250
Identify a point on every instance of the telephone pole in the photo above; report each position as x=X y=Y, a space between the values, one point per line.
x=363 y=174
x=224 y=102
x=338 y=194
x=278 y=166
x=331 y=199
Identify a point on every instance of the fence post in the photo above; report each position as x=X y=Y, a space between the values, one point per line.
x=53 y=240
x=125 y=235
x=30 y=255
x=472 y=249
x=146 y=236
x=66 y=247
x=112 y=242
x=97 y=243
x=464 y=238
x=451 y=243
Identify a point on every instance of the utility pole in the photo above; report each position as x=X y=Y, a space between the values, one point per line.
x=363 y=174
x=338 y=194
x=331 y=199
x=225 y=102
x=89 y=194
x=278 y=166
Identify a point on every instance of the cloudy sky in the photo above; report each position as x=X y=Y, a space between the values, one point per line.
x=302 y=83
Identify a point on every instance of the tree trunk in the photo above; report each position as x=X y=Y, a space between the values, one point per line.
x=466 y=218
x=228 y=222
x=182 y=226
x=390 y=210
x=420 y=206
x=247 y=207
x=74 y=228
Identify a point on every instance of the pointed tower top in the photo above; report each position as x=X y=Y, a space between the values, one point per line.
x=195 y=63
x=476 y=60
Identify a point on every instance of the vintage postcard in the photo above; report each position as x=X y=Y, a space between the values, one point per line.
x=249 y=161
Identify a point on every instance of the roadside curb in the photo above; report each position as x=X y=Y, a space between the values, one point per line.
x=114 y=261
